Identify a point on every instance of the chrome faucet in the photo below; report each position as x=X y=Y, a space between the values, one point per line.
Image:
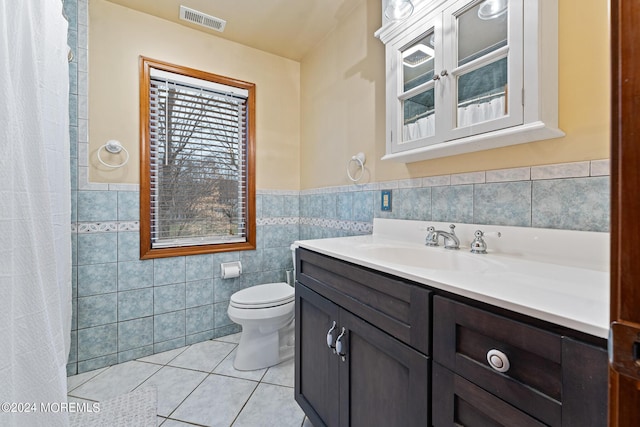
x=451 y=241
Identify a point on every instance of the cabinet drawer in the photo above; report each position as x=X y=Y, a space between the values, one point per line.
x=399 y=308
x=463 y=335
x=459 y=402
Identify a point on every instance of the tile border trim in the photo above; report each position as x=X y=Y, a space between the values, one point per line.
x=116 y=226
x=353 y=226
x=584 y=169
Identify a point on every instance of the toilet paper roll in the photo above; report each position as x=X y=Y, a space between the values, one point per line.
x=229 y=270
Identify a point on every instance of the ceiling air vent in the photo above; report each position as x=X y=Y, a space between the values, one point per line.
x=203 y=19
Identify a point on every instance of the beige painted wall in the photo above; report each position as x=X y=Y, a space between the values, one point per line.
x=118 y=36
x=343 y=105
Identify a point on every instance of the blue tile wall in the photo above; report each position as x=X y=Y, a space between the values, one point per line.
x=97 y=248
x=97 y=206
x=134 y=275
x=97 y=341
x=135 y=333
x=199 y=267
x=168 y=326
x=97 y=310
x=124 y=307
x=362 y=209
x=578 y=203
x=571 y=204
x=128 y=246
x=199 y=319
x=507 y=203
x=344 y=206
x=168 y=298
x=453 y=203
x=135 y=304
x=96 y=279
x=198 y=292
x=169 y=270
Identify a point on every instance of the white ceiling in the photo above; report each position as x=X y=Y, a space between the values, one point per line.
x=288 y=28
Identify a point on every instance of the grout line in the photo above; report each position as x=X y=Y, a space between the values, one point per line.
x=87 y=380
x=244 y=405
x=187 y=396
x=181 y=421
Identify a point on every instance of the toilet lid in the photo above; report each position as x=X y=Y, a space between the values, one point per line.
x=261 y=296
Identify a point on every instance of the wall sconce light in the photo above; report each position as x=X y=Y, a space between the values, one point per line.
x=398 y=9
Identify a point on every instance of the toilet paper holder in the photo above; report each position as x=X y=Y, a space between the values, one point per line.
x=230 y=270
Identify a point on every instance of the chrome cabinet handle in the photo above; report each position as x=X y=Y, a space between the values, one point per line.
x=339 y=345
x=330 y=340
x=498 y=360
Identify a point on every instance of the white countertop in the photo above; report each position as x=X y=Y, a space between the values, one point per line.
x=535 y=272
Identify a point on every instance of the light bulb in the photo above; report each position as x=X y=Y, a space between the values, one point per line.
x=491 y=9
x=398 y=9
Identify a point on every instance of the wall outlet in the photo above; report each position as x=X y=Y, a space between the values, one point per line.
x=385 y=200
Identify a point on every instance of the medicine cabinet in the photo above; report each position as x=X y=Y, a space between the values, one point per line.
x=465 y=76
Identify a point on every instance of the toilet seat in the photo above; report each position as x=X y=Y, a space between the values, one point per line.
x=263 y=296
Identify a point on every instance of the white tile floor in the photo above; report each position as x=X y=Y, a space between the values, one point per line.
x=197 y=385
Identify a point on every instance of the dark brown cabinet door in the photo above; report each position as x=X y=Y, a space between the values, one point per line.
x=376 y=380
x=316 y=366
x=386 y=381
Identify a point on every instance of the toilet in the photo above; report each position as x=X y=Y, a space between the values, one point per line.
x=266 y=314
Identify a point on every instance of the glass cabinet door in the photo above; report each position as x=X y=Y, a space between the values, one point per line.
x=417 y=94
x=486 y=75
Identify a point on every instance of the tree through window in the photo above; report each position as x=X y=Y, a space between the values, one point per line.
x=197 y=167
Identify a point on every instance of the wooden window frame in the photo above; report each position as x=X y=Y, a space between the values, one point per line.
x=146 y=250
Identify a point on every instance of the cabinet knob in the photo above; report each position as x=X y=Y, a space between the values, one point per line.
x=436 y=77
x=498 y=360
x=330 y=340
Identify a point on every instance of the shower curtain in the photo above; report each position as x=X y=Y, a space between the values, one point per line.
x=35 y=213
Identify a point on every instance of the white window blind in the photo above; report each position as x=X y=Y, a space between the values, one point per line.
x=198 y=157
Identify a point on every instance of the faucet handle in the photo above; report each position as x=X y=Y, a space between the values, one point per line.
x=452 y=227
x=478 y=246
x=432 y=237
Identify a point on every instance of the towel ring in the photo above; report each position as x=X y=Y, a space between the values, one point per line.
x=113 y=147
x=359 y=159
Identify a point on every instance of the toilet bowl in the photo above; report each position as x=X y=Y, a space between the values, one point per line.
x=266 y=314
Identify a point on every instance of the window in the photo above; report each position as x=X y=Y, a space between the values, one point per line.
x=197 y=179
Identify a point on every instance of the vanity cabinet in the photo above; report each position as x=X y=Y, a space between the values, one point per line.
x=468 y=75
x=376 y=350
x=370 y=377
x=493 y=370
